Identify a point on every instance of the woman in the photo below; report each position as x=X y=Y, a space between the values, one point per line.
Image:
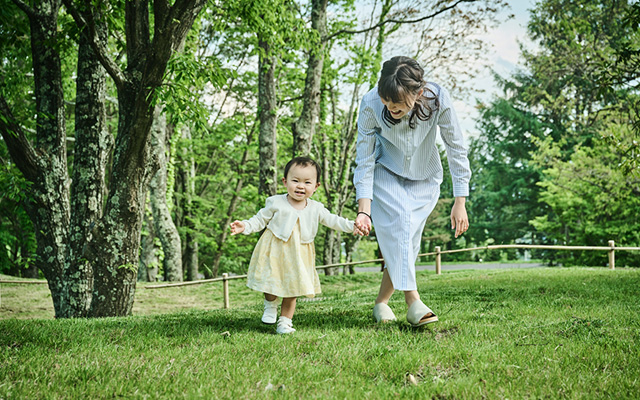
x=398 y=175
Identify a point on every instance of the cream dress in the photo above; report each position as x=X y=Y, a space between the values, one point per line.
x=284 y=269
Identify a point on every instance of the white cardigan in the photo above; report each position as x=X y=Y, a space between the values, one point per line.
x=280 y=217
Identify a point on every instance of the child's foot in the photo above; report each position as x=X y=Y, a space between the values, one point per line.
x=270 y=312
x=285 y=325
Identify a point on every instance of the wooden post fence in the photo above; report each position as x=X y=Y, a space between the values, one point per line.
x=612 y=256
x=438 y=263
x=438 y=256
x=225 y=289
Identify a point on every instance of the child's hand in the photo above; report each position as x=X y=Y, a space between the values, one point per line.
x=357 y=231
x=237 y=227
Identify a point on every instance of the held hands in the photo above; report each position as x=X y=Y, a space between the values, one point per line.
x=459 y=219
x=362 y=225
x=237 y=227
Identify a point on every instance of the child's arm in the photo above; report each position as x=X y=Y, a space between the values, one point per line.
x=257 y=222
x=337 y=222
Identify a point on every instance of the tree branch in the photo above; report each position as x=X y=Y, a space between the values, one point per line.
x=31 y=13
x=397 y=21
x=98 y=45
x=20 y=149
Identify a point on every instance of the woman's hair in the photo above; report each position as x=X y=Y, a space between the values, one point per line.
x=400 y=79
x=303 y=162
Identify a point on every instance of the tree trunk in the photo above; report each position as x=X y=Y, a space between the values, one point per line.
x=187 y=174
x=304 y=128
x=268 y=113
x=332 y=250
x=114 y=247
x=148 y=268
x=44 y=164
x=92 y=142
x=164 y=227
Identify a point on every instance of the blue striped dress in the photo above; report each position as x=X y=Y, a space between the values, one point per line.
x=399 y=169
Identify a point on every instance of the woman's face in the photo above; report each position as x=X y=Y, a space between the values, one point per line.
x=399 y=110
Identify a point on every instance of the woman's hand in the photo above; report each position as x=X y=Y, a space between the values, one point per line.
x=237 y=227
x=459 y=219
x=363 y=224
x=363 y=219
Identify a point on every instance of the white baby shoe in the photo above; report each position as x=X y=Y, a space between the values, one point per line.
x=285 y=325
x=270 y=312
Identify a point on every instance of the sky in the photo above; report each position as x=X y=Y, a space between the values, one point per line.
x=503 y=59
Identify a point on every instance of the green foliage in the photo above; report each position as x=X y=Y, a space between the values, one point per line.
x=593 y=200
x=565 y=113
x=15 y=65
x=17 y=237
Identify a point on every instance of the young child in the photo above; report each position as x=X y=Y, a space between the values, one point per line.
x=283 y=261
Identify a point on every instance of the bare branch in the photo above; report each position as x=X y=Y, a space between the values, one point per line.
x=397 y=21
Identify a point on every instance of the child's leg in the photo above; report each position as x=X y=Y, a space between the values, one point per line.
x=288 y=307
x=270 y=309
x=285 y=325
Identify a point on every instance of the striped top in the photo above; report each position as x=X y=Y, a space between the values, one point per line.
x=409 y=153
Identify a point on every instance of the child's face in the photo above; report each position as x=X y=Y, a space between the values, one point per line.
x=301 y=182
x=399 y=110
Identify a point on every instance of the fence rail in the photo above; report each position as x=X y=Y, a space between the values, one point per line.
x=437 y=253
x=611 y=249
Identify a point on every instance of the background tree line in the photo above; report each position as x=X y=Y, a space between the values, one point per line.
x=134 y=132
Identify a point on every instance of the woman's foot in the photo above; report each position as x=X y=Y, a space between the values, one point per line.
x=419 y=314
x=285 y=325
x=270 y=312
x=383 y=313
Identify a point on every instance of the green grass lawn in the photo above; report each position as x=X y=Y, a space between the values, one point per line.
x=517 y=334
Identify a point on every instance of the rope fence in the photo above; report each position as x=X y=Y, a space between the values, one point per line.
x=225 y=278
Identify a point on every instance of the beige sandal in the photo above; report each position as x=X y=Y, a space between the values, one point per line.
x=419 y=314
x=383 y=313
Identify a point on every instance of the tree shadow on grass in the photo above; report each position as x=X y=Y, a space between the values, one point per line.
x=60 y=335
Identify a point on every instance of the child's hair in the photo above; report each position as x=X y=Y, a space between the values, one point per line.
x=304 y=162
x=401 y=78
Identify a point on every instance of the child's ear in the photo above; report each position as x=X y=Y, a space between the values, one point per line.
x=284 y=180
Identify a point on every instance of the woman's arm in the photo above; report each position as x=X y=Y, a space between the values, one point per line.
x=365 y=152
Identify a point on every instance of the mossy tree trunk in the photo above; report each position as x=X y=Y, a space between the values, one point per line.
x=268 y=115
x=185 y=182
x=304 y=127
x=106 y=248
x=164 y=227
x=44 y=162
